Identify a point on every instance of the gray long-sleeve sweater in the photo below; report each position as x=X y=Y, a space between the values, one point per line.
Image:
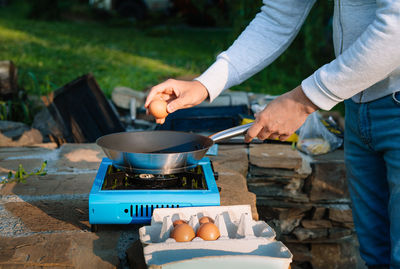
x=367 y=47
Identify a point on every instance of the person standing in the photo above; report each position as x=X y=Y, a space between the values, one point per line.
x=365 y=75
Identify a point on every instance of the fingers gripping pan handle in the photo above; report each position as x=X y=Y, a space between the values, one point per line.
x=231 y=132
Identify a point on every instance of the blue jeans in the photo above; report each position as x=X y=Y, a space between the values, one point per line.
x=372 y=150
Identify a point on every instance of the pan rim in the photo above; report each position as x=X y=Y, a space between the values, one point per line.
x=159 y=153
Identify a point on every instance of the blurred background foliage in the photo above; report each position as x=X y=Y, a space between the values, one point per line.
x=54 y=41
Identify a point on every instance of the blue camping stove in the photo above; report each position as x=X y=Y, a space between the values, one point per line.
x=118 y=197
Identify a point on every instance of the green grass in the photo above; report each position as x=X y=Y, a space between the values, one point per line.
x=60 y=51
x=51 y=54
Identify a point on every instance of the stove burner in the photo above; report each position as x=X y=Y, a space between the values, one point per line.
x=146 y=176
x=132 y=170
x=120 y=180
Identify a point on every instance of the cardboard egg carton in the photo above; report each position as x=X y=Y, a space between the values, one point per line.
x=233 y=222
x=252 y=254
x=243 y=240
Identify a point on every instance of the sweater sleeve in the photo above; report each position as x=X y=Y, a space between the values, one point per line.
x=371 y=58
x=266 y=37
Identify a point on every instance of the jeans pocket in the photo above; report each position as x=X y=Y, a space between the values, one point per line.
x=396 y=98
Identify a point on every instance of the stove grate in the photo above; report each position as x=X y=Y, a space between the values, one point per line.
x=117 y=179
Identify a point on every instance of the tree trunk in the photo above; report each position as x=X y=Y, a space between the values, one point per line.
x=8 y=78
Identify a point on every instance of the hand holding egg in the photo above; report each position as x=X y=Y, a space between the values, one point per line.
x=158 y=108
x=178 y=94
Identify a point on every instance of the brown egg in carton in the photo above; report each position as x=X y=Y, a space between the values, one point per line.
x=242 y=242
x=233 y=222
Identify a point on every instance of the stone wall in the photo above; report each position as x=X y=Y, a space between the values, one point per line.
x=307 y=202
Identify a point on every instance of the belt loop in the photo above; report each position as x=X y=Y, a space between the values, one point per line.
x=395 y=98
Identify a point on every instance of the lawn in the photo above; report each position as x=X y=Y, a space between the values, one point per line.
x=58 y=52
x=50 y=54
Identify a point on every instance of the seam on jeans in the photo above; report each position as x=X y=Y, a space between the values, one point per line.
x=360 y=123
x=363 y=124
x=369 y=133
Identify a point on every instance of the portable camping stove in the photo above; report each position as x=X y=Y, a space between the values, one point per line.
x=118 y=197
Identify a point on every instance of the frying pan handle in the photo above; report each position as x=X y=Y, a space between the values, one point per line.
x=231 y=132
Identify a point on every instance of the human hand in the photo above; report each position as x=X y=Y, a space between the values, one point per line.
x=178 y=94
x=282 y=117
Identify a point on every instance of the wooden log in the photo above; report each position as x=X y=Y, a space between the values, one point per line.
x=8 y=78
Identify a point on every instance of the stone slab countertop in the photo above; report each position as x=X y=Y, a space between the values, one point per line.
x=44 y=222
